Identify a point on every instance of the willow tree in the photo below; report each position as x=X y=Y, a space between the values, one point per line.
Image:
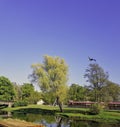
x=51 y=76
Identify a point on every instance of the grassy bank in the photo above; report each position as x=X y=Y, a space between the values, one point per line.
x=102 y=117
x=73 y=113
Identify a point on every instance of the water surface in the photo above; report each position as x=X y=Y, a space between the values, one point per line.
x=57 y=121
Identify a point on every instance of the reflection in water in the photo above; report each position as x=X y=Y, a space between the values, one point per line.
x=91 y=124
x=5 y=114
x=61 y=122
x=57 y=121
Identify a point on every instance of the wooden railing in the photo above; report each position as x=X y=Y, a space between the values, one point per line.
x=6 y=103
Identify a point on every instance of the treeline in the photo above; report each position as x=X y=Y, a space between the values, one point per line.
x=109 y=92
x=51 y=76
x=20 y=94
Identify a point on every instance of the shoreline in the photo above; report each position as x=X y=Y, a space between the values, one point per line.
x=17 y=123
x=108 y=116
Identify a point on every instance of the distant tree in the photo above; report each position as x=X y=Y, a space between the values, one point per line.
x=7 y=92
x=111 y=92
x=97 y=78
x=34 y=97
x=89 y=94
x=76 y=92
x=27 y=90
x=18 y=92
x=26 y=94
x=51 y=76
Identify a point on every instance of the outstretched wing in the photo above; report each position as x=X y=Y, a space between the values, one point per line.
x=91 y=59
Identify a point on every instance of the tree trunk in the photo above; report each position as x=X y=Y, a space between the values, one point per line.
x=60 y=122
x=59 y=104
x=55 y=102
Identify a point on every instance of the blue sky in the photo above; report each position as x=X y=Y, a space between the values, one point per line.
x=70 y=29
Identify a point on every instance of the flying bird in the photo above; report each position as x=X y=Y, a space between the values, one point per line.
x=91 y=59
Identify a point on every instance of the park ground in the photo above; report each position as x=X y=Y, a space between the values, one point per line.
x=17 y=123
x=109 y=116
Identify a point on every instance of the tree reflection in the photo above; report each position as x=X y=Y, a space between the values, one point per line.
x=58 y=120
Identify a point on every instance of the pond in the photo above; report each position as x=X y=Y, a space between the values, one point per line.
x=55 y=121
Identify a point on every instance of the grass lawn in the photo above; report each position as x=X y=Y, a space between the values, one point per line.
x=31 y=106
x=77 y=113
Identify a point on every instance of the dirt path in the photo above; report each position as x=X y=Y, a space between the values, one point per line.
x=17 y=123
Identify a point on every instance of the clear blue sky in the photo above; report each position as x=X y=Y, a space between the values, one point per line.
x=70 y=29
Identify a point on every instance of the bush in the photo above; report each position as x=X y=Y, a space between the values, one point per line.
x=20 y=103
x=95 y=109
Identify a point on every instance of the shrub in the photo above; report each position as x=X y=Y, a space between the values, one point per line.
x=20 y=103
x=95 y=109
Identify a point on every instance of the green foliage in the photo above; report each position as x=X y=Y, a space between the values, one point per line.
x=111 y=92
x=26 y=93
x=97 y=78
x=20 y=103
x=51 y=76
x=76 y=92
x=48 y=98
x=34 y=97
x=95 y=109
x=7 y=92
x=27 y=90
x=18 y=92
